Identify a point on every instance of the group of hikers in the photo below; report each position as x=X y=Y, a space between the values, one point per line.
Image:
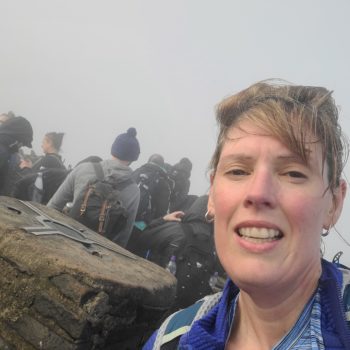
x=148 y=211
x=276 y=188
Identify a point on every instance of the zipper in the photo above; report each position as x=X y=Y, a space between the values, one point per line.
x=341 y=316
x=337 y=306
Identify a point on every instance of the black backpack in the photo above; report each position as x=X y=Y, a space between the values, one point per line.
x=154 y=192
x=196 y=262
x=99 y=206
x=52 y=179
x=179 y=193
x=191 y=242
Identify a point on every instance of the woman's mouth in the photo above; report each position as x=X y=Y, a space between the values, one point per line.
x=259 y=234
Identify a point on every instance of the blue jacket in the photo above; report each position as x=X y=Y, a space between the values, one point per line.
x=205 y=325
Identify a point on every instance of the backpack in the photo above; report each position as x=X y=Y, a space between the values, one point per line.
x=52 y=178
x=180 y=190
x=191 y=242
x=196 y=262
x=154 y=192
x=99 y=206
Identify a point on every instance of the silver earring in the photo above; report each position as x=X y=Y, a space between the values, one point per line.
x=208 y=217
x=325 y=232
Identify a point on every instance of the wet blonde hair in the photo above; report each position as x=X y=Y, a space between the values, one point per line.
x=290 y=113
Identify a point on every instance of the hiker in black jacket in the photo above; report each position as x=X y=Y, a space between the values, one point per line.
x=15 y=132
x=155 y=189
x=51 y=146
x=188 y=237
x=180 y=174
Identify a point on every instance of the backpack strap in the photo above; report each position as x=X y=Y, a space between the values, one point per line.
x=175 y=326
x=100 y=175
x=102 y=215
x=98 y=170
x=120 y=185
x=85 y=200
x=102 y=218
x=180 y=322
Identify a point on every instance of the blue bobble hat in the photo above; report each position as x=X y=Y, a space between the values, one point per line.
x=126 y=147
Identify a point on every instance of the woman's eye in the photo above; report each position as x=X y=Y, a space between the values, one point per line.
x=238 y=172
x=296 y=174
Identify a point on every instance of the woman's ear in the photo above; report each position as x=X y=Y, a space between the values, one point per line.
x=212 y=176
x=337 y=205
x=210 y=197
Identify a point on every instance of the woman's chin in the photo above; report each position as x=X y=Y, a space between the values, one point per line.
x=256 y=275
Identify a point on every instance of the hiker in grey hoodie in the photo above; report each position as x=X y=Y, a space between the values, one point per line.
x=125 y=149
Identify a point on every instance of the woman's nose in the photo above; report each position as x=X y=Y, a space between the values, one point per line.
x=261 y=190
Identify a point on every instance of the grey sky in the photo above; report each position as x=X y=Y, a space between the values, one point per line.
x=94 y=68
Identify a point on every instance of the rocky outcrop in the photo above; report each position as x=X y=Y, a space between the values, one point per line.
x=62 y=286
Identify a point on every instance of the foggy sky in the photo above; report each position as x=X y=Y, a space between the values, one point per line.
x=94 y=68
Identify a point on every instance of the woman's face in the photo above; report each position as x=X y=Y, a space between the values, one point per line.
x=270 y=208
x=46 y=145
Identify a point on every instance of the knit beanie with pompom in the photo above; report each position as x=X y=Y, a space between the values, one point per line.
x=126 y=147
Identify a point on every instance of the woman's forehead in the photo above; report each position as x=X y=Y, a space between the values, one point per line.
x=248 y=134
x=247 y=127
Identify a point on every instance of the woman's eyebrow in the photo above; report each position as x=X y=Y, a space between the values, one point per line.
x=242 y=157
x=236 y=157
x=293 y=157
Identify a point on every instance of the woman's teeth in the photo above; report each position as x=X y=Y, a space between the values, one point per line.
x=259 y=234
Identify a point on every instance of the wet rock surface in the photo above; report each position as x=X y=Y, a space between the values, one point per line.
x=63 y=286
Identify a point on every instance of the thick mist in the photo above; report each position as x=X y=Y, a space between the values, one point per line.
x=92 y=69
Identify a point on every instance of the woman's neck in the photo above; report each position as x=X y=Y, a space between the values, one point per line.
x=262 y=319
